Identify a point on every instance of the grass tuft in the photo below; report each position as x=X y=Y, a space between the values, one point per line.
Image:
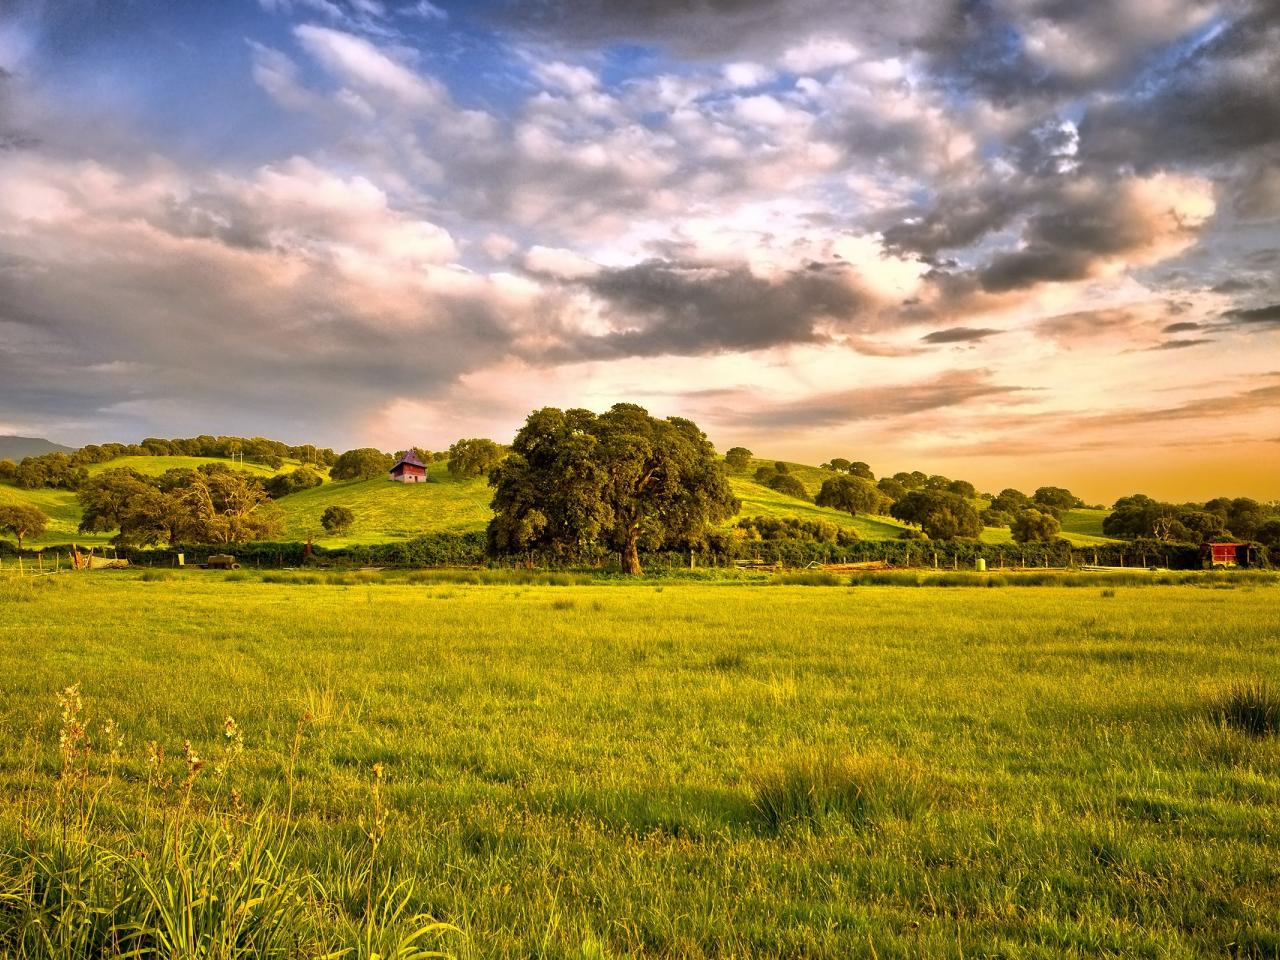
x=819 y=790
x=807 y=578
x=1252 y=707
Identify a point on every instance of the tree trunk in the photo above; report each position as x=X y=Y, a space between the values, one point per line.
x=631 y=557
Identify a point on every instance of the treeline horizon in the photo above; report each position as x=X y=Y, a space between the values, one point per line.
x=934 y=506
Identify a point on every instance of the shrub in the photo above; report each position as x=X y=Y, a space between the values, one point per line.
x=336 y=519
x=1251 y=706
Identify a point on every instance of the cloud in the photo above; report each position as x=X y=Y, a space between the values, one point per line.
x=1180 y=344
x=1268 y=316
x=1096 y=226
x=1216 y=102
x=960 y=335
x=666 y=307
x=954 y=389
x=368 y=67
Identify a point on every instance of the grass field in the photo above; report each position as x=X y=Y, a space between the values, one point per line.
x=689 y=770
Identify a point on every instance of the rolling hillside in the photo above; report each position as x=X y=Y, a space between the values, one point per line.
x=391 y=511
x=63 y=512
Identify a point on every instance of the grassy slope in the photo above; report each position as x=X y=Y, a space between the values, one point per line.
x=388 y=511
x=572 y=771
x=63 y=512
x=760 y=501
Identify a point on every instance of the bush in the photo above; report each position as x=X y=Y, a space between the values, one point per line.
x=336 y=519
x=1252 y=707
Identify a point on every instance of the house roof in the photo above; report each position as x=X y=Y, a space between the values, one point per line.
x=410 y=459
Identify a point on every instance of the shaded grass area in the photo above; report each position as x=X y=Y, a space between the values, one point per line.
x=685 y=770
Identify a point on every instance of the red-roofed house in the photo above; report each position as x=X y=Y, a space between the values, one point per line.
x=408 y=469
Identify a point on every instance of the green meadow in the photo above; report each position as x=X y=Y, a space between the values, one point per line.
x=648 y=769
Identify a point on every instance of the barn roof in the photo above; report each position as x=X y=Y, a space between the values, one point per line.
x=410 y=459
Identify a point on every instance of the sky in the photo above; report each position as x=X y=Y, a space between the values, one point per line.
x=1020 y=242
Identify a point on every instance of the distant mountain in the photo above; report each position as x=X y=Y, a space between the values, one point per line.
x=15 y=448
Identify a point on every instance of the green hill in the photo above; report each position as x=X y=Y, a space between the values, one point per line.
x=389 y=511
x=63 y=512
x=761 y=501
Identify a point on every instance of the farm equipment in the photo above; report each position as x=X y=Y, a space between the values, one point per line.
x=221 y=561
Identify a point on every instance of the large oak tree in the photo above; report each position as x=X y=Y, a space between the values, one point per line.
x=622 y=480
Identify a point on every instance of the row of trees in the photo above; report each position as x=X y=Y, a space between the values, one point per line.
x=941 y=507
x=68 y=471
x=1222 y=518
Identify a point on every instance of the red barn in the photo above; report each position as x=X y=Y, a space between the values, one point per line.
x=1226 y=554
x=408 y=469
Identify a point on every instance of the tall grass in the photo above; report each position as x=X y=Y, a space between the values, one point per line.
x=814 y=789
x=196 y=876
x=1251 y=706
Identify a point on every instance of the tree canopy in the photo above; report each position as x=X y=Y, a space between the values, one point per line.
x=941 y=515
x=213 y=504
x=474 y=457
x=363 y=463
x=738 y=458
x=1035 y=526
x=851 y=494
x=337 y=519
x=622 y=480
x=22 y=520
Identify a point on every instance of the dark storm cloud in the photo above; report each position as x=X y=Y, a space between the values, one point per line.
x=960 y=335
x=868 y=403
x=670 y=307
x=1268 y=316
x=1217 y=102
